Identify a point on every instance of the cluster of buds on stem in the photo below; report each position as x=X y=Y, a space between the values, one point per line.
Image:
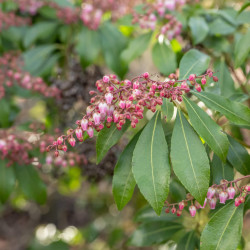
x=11 y=73
x=226 y=190
x=119 y=101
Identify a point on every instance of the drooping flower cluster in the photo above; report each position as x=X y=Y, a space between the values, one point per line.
x=226 y=190
x=11 y=73
x=119 y=101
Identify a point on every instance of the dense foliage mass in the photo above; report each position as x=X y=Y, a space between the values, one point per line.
x=169 y=107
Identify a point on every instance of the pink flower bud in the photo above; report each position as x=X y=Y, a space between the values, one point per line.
x=110 y=110
x=72 y=141
x=146 y=75
x=231 y=192
x=192 y=210
x=109 y=98
x=2 y=144
x=59 y=140
x=127 y=83
x=192 y=77
x=49 y=160
x=105 y=79
x=173 y=210
x=178 y=213
x=212 y=203
x=122 y=104
x=97 y=118
x=210 y=193
x=103 y=107
x=167 y=210
x=56 y=153
x=198 y=87
x=64 y=148
x=247 y=188
x=223 y=197
x=181 y=205
x=89 y=110
x=203 y=81
x=237 y=202
x=205 y=202
x=90 y=132
x=78 y=132
x=84 y=124
x=136 y=85
x=128 y=104
x=215 y=78
x=136 y=92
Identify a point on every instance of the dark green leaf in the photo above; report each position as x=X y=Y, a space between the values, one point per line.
x=151 y=167
x=30 y=183
x=208 y=129
x=238 y=157
x=220 y=27
x=107 y=138
x=199 y=29
x=177 y=192
x=136 y=47
x=188 y=242
x=164 y=58
x=223 y=231
x=154 y=232
x=193 y=62
x=234 y=111
x=7 y=181
x=189 y=159
x=167 y=109
x=123 y=179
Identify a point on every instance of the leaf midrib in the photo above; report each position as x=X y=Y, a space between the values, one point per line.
x=190 y=69
x=125 y=187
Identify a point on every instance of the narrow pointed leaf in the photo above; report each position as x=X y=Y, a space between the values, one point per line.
x=235 y=112
x=188 y=242
x=189 y=159
x=238 y=157
x=208 y=129
x=123 y=179
x=193 y=62
x=151 y=167
x=167 y=109
x=107 y=138
x=223 y=231
x=154 y=232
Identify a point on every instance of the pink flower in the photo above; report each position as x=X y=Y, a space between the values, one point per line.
x=192 y=77
x=97 y=118
x=110 y=110
x=181 y=205
x=84 y=124
x=237 y=202
x=192 y=210
x=223 y=197
x=231 y=192
x=198 y=87
x=109 y=98
x=210 y=193
x=72 y=141
x=122 y=104
x=105 y=79
x=103 y=107
x=205 y=202
x=203 y=81
x=178 y=213
x=212 y=203
x=247 y=188
x=146 y=75
x=136 y=85
x=2 y=144
x=59 y=140
x=90 y=132
x=173 y=210
x=78 y=133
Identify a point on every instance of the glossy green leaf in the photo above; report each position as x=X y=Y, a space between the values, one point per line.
x=154 y=232
x=223 y=231
x=208 y=129
x=88 y=45
x=193 y=62
x=30 y=183
x=234 y=111
x=136 y=47
x=221 y=170
x=151 y=166
x=238 y=157
x=189 y=159
x=199 y=29
x=107 y=138
x=242 y=49
x=167 y=109
x=7 y=181
x=188 y=242
x=220 y=27
x=123 y=179
x=164 y=58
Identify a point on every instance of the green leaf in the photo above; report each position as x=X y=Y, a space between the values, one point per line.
x=234 y=111
x=123 y=179
x=242 y=49
x=189 y=159
x=88 y=46
x=164 y=58
x=223 y=231
x=220 y=27
x=188 y=242
x=113 y=43
x=107 y=138
x=39 y=30
x=238 y=157
x=7 y=181
x=208 y=129
x=221 y=170
x=167 y=109
x=225 y=82
x=30 y=183
x=154 y=232
x=193 y=62
x=151 y=166
x=136 y=47
x=199 y=29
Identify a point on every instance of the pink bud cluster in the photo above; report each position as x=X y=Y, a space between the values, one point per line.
x=119 y=101
x=222 y=192
x=11 y=73
x=9 y=19
x=30 y=6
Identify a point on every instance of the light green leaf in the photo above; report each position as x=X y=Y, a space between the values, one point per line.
x=199 y=29
x=234 y=111
x=189 y=159
x=123 y=179
x=223 y=231
x=151 y=166
x=167 y=109
x=136 y=47
x=238 y=157
x=208 y=129
x=7 y=181
x=107 y=138
x=220 y=27
x=164 y=58
x=193 y=62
